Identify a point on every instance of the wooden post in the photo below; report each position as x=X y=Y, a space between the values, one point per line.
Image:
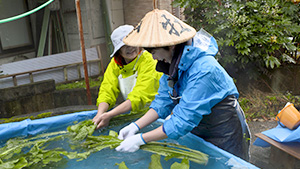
x=31 y=77
x=101 y=68
x=64 y=31
x=88 y=94
x=50 y=37
x=60 y=32
x=15 y=81
x=79 y=71
x=65 y=74
x=44 y=32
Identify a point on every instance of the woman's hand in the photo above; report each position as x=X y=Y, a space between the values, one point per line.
x=131 y=144
x=128 y=131
x=102 y=120
x=102 y=108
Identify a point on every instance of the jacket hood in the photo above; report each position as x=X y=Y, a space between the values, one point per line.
x=203 y=45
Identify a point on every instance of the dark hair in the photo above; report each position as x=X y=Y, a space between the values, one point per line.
x=152 y=48
x=119 y=58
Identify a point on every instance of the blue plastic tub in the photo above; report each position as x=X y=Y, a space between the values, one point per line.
x=107 y=158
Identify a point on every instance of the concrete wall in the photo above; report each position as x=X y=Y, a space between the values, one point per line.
x=41 y=96
x=26 y=98
x=165 y=4
x=135 y=10
x=91 y=21
x=73 y=97
x=116 y=13
x=286 y=79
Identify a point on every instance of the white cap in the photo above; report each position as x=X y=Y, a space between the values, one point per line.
x=118 y=35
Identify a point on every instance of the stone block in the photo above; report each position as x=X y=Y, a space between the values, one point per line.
x=73 y=97
x=26 y=98
x=286 y=79
x=13 y=93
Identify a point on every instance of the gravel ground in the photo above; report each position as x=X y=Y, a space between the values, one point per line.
x=259 y=156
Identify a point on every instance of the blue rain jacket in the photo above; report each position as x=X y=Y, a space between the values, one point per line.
x=202 y=83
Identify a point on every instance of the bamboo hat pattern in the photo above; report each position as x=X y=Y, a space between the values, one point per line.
x=159 y=28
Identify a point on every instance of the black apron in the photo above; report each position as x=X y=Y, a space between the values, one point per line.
x=226 y=128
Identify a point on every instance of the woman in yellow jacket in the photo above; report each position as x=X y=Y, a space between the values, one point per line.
x=130 y=72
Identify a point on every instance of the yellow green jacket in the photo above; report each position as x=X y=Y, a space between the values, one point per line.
x=145 y=88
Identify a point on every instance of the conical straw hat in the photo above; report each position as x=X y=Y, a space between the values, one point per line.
x=159 y=28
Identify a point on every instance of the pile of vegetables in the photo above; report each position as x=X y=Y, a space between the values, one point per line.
x=36 y=152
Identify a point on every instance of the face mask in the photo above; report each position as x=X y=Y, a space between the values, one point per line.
x=163 y=67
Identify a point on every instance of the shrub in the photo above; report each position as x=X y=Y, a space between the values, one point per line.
x=265 y=33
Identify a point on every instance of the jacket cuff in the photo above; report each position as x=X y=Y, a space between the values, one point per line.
x=169 y=130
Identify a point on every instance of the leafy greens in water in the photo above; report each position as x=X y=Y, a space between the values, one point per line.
x=34 y=152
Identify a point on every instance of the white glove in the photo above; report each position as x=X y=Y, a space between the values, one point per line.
x=128 y=131
x=131 y=144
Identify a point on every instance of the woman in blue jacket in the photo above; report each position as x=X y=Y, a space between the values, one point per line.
x=195 y=95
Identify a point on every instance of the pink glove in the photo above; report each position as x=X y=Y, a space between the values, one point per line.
x=131 y=144
x=128 y=131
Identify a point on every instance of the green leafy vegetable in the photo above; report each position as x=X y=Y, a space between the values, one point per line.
x=170 y=150
x=33 y=152
x=82 y=129
x=155 y=162
x=122 y=165
x=183 y=165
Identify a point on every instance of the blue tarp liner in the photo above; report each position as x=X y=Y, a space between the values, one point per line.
x=279 y=134
x=32 y=127
x=218 y=157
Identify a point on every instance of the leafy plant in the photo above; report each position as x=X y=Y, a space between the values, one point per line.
x=81 y=130
x=12 y=155
x=170 y=150
x=261 y=105
x=265 y=33
x=245 y=104
x=122 y=165
x=80 y=84
x=155 y=163
x=16 y=119
x=183 y=165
